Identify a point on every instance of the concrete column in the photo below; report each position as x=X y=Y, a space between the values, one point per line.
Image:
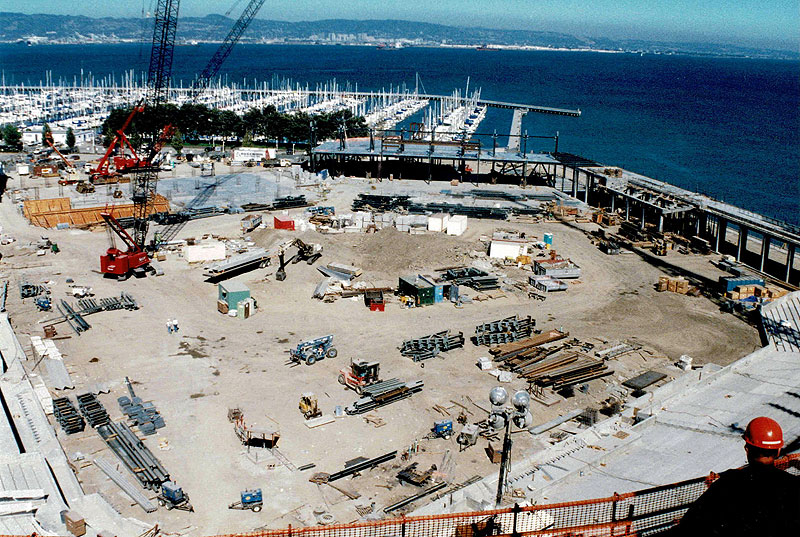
x=641 y=222
x=765 y=240
x=742 y=242
x=722 y=229
x=524 y=172
x=574 y=182
x=627 y=209
x=588 y=185
x=789 y=259
x=613 y=202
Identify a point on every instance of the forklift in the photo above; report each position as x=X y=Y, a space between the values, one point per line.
x=173 y=497
x=313 y=350
x=359 y=375
x=309 y=406
x=250 y=499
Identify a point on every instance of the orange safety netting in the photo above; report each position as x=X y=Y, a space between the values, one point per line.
x=641 y=513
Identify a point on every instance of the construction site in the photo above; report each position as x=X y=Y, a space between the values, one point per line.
x=274 y=347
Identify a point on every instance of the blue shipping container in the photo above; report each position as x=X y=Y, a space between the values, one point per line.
x=729 y=283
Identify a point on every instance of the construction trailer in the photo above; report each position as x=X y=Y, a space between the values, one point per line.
x=231 y=293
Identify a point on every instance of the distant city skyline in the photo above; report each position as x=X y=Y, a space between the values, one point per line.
x=766 y=23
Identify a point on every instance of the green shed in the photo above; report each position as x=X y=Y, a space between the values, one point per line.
x=232 y=293
x=418 y=288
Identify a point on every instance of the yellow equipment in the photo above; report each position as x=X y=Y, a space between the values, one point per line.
x=309 y=406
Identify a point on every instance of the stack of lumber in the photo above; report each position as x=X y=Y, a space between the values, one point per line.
x=562 y=370
x=503 y=352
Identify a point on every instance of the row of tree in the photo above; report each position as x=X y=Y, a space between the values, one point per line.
x=196 y=121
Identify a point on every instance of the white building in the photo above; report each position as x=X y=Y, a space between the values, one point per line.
x=33 y=136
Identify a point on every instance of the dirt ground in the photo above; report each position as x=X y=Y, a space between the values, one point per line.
x=217 y=362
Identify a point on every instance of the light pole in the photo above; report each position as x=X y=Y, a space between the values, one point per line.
x=501 y=417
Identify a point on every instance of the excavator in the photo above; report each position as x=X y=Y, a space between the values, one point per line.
x=305 y=252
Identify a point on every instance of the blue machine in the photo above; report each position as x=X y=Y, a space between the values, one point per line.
x=313 y=350
x=443 y=428
x=173 y=497
x=251 y=499
x=43 y=303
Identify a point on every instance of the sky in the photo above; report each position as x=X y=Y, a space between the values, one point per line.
x=762 y=23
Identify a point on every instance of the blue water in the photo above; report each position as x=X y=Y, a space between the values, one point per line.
x=729 y=128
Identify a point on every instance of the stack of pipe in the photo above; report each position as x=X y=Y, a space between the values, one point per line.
x=134 y=454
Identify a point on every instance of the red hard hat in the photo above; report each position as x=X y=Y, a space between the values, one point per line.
x=764 y=433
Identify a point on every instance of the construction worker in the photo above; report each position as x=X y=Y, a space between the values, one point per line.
x=758 y=499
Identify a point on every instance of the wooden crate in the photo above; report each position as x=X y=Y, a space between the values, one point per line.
x=76 y=525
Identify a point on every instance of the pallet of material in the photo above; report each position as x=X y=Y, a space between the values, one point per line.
x=509 y=350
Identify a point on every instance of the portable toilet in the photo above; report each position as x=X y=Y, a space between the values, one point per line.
x=246 y=308
x=548 y=240
x=233 y=292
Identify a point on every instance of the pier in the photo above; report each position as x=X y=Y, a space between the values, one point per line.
x=763 y=244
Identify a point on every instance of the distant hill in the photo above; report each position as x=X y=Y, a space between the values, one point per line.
x=16 y=27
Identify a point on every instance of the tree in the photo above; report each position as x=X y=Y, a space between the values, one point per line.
x=70 y=138
x=45 y=131
x=177 y=142
x=12 y=136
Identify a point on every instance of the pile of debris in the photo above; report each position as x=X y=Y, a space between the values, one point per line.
x=429 y=346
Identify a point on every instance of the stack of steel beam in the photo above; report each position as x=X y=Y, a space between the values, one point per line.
x=380 y=203
x=383 y=393
x=472 y=277
x=74 y=318
x=66 y=415
x=134 y=454
x=30 y=290
x=92 y=410
x=472 y=211
x=91 y=305
x=503 y=331
x=430 y=346
x=288 y=202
